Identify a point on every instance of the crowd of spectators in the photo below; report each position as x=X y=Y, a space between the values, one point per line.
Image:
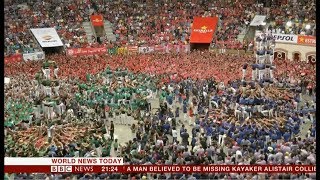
x=233 y=120
x=160 y=22
x=208 y=102
x=196 y=65
x=165 y=22
x=298 y=17
x=65 y=16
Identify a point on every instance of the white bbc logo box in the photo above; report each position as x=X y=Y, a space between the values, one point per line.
x=61 y=168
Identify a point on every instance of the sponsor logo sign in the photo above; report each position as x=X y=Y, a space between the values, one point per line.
x=146 y=49
x=307 y=40
x=47 y=37
x=133 y=48
x=286 y=38
x=257 y=20
x=97 y=20
x=86 y=51
x=203 y=29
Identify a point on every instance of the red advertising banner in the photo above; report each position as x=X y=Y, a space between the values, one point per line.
x=97 y=20
x=160 y=169
x=86 y=51
x=159 y=48
x=307 y=40
x=133 y=48
x=13 y=58
x=203 y=29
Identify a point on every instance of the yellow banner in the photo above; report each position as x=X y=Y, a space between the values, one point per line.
x=122 y=50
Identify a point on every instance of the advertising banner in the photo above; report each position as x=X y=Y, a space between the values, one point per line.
x=122 y=50
x=159 y=48
x=133 y=49
x=33 y=56
x=257 y=20
x=203 y=29
x=47 y=37
x=113 y=50
x=146 y=49
x=96 y=20
x=307 y=40
x=86 y=51
x=286 y=38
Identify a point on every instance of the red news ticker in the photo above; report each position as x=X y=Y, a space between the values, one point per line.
x=162 y=169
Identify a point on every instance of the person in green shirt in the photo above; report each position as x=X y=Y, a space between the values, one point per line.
x=96 y=142
x=46 y=65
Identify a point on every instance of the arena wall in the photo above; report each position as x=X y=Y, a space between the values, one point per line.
x=291 y=49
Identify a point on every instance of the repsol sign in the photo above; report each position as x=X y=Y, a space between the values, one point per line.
x=285 y=38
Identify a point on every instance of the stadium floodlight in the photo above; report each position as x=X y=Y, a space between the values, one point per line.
x=289 y=23
x=308 y=26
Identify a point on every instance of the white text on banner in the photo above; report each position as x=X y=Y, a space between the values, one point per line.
x=63 y=161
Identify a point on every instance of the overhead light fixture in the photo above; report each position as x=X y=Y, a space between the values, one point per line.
x=289 y=23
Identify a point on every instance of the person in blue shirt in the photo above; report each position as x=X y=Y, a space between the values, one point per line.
x=193 y=142
x=209 y=132
x=182 y=129
x=239 y=140
x=169 y=99
x=286 y=136
x=166 y=127
x=279 y=134
x=313 y=131
x=274 y=136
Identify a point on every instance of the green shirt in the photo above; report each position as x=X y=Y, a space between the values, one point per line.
x=88 y=76
x=46 y=65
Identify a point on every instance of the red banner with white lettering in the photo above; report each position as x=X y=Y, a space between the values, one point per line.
x=13 y=58
x=203 y=29
x=97 y=20
x=160 y=169
x=307 y=40
x=86 y=51
x=133 y=49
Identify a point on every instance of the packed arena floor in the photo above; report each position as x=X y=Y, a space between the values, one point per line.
x=187 y=108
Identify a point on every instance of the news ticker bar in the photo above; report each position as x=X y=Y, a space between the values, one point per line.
x=160 y=169
x=63 y=161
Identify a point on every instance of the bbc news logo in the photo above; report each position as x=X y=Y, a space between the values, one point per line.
x=61 y=168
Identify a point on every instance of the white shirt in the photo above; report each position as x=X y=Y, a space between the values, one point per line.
x=159 y=142
x=174 y=133
x=204 y=94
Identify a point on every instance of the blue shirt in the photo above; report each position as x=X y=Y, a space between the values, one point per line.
x=170 y=99
x=221 y=130
x=286 y=136
x=185 y=108
x=209 y=131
